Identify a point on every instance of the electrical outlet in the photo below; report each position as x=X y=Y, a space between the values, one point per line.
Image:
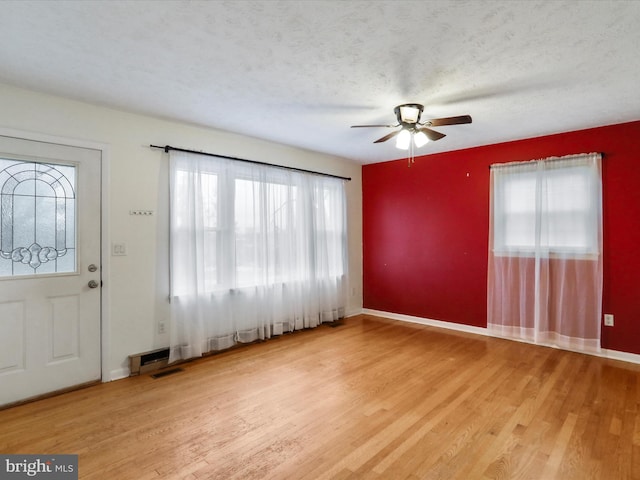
x=161 y=327
x=608 y=319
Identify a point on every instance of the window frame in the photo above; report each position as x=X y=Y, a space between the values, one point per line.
x=586 y=249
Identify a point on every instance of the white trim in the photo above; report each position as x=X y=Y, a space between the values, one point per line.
x=106 y=264
x=105 y=149
x=352 y=312
x=621 y=356
x=118 y=374
x=603 y=353
x=427 y=321
x=43 y=137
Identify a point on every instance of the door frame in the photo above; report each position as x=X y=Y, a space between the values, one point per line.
x=105 y=318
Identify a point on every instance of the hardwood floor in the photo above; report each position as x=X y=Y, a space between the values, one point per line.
x=372 y=399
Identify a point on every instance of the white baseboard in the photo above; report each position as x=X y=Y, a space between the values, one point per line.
x=117 y=374
x=604 y=353
x=427 y=321
x=353 y=312
x=618 y=355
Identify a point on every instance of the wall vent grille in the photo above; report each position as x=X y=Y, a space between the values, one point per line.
x=146 y=362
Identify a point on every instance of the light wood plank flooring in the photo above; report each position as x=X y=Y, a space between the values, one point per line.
x=371 y=399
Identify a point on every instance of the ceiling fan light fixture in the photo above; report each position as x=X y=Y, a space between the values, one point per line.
x=409 y=113
x=403 y=140
x=413 y=133
x=420 y=139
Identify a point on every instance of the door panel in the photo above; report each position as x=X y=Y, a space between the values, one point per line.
x=12 y=345
x=49 y=235
x=63 y=328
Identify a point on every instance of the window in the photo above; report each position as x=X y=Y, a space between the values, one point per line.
x=264 y=233
x=561 y=192
x=255 y=227
x=256 y=251
x=37 y=218
x=544 y=282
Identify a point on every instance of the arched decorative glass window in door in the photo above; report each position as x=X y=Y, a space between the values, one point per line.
x=37 y=218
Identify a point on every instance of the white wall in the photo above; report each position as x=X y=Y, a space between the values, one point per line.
x=136 y=283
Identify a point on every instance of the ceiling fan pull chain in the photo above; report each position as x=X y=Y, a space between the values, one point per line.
x=411 y=158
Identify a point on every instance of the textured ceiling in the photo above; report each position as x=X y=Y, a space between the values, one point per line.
x=302 y=72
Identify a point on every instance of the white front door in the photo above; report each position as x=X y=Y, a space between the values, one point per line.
x=49 y=267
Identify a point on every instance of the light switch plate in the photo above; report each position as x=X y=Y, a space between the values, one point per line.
x=118 y=249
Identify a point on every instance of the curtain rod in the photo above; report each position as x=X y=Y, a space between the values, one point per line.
x=529 y=162
x=166 y=148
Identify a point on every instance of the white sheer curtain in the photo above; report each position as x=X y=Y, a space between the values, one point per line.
x=545 y=251
x=255 y=251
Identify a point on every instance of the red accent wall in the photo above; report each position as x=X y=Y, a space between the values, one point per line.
x=425 y=229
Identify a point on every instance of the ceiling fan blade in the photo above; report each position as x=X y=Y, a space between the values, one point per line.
x=388 y=136
x=432 y=134
x=439 y=122
x=366 y=126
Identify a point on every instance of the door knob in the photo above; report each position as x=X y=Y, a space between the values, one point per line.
x=93 y=284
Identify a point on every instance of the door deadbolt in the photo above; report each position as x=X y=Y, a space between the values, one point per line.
x=92 y=268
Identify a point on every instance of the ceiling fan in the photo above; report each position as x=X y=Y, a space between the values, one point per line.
x=408 y=116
